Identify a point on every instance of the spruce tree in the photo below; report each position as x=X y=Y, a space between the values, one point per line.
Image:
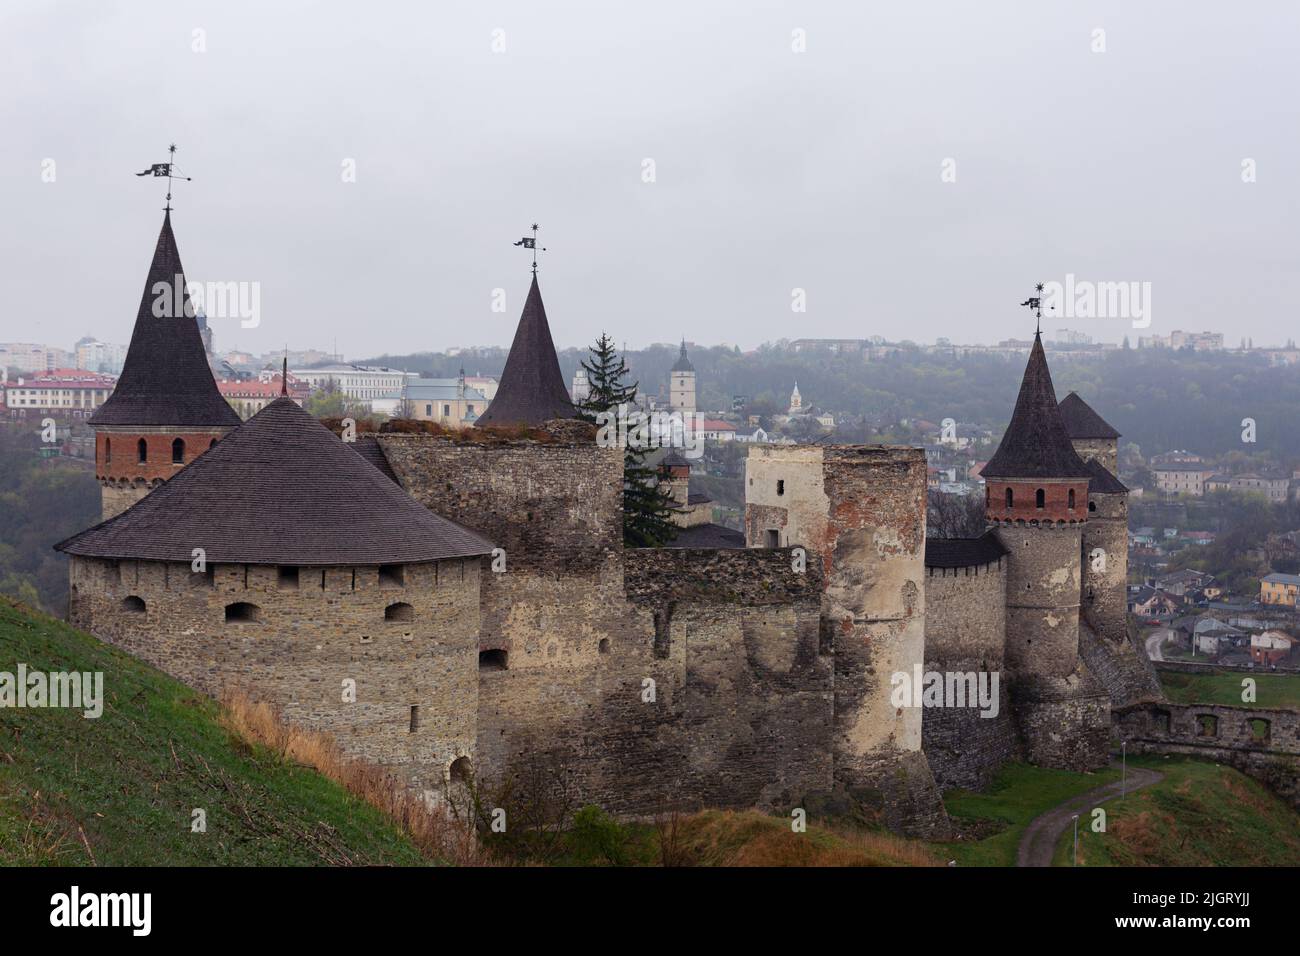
x=647 y=505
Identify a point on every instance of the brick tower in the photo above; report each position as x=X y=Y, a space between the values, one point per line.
x=1037 y=502
x=165 y=410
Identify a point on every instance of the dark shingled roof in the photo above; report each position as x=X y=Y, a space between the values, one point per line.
x=165 y=379
x=1036 y=444
x=531 y=389
x=963 y=552
x=683 y=364
x=1101 y=481
x=1081 y=421
x=368 y=447
x=280 y=489
x=707 y=536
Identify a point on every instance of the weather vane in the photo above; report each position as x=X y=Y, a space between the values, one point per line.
x=530 y=242
x=167 y=169
x=1035 y=305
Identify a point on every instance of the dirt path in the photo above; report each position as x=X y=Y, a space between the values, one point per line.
x=1039 y=839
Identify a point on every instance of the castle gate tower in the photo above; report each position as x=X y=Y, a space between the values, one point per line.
x=1037 y=500
x=165 y=410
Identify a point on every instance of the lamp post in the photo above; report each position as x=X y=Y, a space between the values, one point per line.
x=1123 y=773
x=1075 y=818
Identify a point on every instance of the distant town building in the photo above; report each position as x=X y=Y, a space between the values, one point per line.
x=1270 y=647
x=447 y=401
x=249 y=396
x=96 y=356
x=1279 y=589
x=1183 y=478
x=68 y=390
x=681 y=384
x=581 y=386
x=28 y=357
x=796 y=401
x=362 y=383
x=1199 y=341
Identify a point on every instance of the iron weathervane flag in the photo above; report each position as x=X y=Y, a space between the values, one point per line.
x=158 y=169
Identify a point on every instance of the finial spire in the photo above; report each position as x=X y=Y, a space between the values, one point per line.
x=167 y=169
x=530 y=242
x=284 y=374
x=1035 y=305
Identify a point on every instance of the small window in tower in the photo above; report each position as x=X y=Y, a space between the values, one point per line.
x=108 y=450
x=142 y=450
x=773 y=538
x=1070 y=503
x=603 y=647
x=133 y=605
x=780 y=486
x=287 y=578
x=1010 y=499
x=1040 y=498
x=178 y=451
x=391 y=575
x=1092 y=506
x=495 y=660
x=399 y=612
x=415 y=717
x=213 y=443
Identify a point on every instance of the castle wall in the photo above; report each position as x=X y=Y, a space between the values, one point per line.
x=861 y=510
x=965 y=632
x=1261 y=742
x=728 y=638
x=306 y=641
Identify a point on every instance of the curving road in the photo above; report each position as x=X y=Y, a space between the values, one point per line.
x=1038 y=842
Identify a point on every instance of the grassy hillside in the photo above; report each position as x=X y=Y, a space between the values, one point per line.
x=1201 y=814
x=1271 y=690
x=121 y=789
x=995 y=821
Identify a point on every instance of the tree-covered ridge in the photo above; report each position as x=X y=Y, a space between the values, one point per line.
x=1159 y=399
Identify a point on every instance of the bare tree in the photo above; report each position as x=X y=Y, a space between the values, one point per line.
x=953 y=516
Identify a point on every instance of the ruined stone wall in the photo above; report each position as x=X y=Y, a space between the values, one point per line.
x=1122 y=667
x=861 y=510
x=305 y=642
x=1261 y=742
x=650 y=679
x=965 y=632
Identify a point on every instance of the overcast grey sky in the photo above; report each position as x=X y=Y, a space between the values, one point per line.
x=774 y=170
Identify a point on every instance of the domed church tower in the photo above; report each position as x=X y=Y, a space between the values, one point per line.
x=165 y=410
x=1037 y=503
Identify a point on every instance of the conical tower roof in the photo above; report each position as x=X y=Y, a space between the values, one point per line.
x=280 y=489
x=1081 y=421
x=683 y=364
x=532 y=389
x=165 y=379
x=1036 y=444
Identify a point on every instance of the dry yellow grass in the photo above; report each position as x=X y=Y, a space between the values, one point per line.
x=749 y=838
x=431 y=829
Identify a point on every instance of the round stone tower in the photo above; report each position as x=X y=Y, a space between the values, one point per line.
x=1037 y=498
x=165 y=410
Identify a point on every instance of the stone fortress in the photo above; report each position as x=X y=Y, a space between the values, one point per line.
x=451 y=605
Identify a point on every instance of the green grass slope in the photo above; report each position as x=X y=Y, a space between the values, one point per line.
x=121 y=789
x=993 y=822
x=1271 y=690
x=1200 y=814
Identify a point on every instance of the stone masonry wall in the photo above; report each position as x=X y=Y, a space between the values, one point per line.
x=965 y=631
x=1260 y=742
x=306 y=641
x=861 y=509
